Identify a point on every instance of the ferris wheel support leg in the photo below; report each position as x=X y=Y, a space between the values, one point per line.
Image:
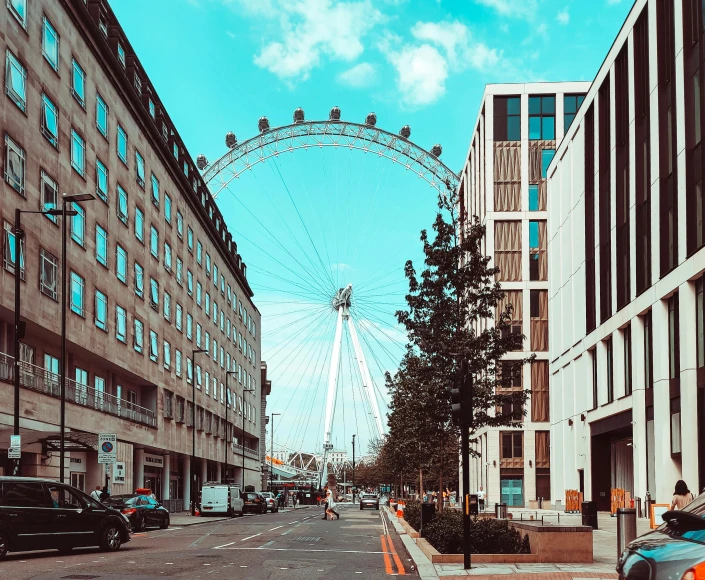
x=368 y=387
x=332 y=392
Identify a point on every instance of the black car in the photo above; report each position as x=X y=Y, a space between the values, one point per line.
x=40 y=514
x=254 y=503
x=674 y=551
x=141 y=510
x=369 y=500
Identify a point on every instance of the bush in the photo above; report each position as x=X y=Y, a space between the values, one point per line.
x=487 y=536
x=412 y=514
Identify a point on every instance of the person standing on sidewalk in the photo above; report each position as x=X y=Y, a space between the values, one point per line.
x=481 y=498
x=681 y=496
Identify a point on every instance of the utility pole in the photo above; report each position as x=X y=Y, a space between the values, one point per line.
x=353 y=466
x=271 y=456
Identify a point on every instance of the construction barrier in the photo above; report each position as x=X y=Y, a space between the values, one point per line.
x=619 y=499
x=573 y=501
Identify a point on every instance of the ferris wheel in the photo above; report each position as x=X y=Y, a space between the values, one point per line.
x=327 y=236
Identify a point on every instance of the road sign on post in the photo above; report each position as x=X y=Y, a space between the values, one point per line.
x=13 y=453
x=107 y=448
x=15 y=442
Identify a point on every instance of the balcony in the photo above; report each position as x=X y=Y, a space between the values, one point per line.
x=251 y=453
x=38 y=379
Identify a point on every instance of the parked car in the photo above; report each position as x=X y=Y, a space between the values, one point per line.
x=221 y=499
x=674 y=551
x=271 y=501
x=142 y=510
x=40 y=514
x=254 y=503
x=369 y=500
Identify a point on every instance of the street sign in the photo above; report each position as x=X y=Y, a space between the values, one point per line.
x=107 y=448
x=15 y=441
x=119 y=472
x=14 y=453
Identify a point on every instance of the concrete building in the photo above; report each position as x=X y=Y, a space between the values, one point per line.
x=503 y=182
x=153 y=272
x=626 y=265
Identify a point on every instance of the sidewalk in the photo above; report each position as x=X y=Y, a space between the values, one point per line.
x=604 y=553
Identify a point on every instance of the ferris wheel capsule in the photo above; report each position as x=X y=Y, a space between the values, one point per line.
x=299 y=115
x=405 y=131
x=230 y=140
x=334 y=114
x=371 y=119
x=437 y=150
x=201 y=161
x=263 y=124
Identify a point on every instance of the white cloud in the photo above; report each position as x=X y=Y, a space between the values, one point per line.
x=525 y=9
x=563 y=16
x=309 y=31
x=231 y=34
x=360 y=76
x=424 y=66
x=341 y=267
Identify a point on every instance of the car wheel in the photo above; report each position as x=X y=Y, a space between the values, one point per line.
x=165 y=522
x=110 y=539
x=3 y=544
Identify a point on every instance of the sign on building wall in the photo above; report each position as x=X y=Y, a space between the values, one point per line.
x=153 y=460
x=107 y=448
x=119 y=472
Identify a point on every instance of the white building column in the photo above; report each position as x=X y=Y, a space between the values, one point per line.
x=638 y=408
x=204 y=470
x=186 y=478
x=166 y=476
x=219 y=471
x=138 y=469
x=689 y=384
x=494 y=491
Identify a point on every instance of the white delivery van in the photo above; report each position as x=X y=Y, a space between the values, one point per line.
x=221 y=499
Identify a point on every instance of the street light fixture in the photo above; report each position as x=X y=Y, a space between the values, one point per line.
x=66 y=198
x=244 y=390
x=228 y=437
x=271 y=455
x=194 y=352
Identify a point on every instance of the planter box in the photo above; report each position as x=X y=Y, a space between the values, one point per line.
x=411 y=532
x=437 y=558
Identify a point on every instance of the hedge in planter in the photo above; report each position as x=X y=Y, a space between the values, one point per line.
x=412 y=514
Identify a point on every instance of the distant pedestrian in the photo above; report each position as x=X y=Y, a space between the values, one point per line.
x=104 y=494
x=481 y=498
x=95 y=494
x=681 y=496
x=330 y=505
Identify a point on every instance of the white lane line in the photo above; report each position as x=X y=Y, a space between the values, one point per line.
x=267 y=544
x=250 y=537
x=293 y=522
x=223 y=546
x=288 y=531
x=276 y=528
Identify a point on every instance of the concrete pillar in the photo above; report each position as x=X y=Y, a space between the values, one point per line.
x=138 y=468
x=166 y=476
x=186 y=479
x=219 y=471
x=204 y=470
x=638 y=408
x=689 y=384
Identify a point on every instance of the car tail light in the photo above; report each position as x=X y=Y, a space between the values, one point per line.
x=129 y=511
x=697 y=572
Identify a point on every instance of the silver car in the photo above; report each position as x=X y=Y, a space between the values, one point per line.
x=369 y=500
x=271 y=500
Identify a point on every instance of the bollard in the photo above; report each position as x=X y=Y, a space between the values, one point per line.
x=626 y=528
x=500 y=511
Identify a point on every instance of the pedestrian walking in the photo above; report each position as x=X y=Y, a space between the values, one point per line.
x=325 y=502
x=330 y=505
x=481 y=498
x=95 y=494
x=681 y=496
x=104 y=494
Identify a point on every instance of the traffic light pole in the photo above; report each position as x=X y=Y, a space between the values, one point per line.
x=462 y=412
x=465 y=450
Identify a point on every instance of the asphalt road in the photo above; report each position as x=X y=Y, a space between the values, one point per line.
x=295 y=545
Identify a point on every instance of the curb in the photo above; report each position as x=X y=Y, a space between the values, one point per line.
x=424 y=567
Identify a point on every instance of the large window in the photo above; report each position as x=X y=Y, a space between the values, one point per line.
x=605 y=197
x=139 y=280
x=623 y=177
x=18 y=8
x=138 y=335
x=673 y=339
x=590 y=269
x=154 y=293
x=593 y=361
x=571 y=104
x=167 y=257
x=101 y=245
x=16 y=80
x=48 y=268
x=546 y=158
x=101 y=310
x=78 y=153
x=121 y=264
x=628 y=384
x=78 y=225
x=139 y=168
x=101 y=116
x=78 y=84
x=50 y=121
x=542 y=118
x=167 y=208
x=50 y=194
x=642 y=166
x=120 y=324
x=189 y=239
x=154 y=241
x=9 y=251
x=101 y=177
x=122 y=211
x=507 y=119
x=139 y=224
x=50 y=44
x=153 y=346
x=122 y=144
x=610 y=369
x=167 y=306
x=512 y=445
x=77 y=294
x=648 y=352
x=538 y=261
x=155 y=191
x=14 y=165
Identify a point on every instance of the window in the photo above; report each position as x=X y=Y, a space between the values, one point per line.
x=627 y=335
x=78 y=84
x=533 y=197
x=14 y=165
x=50 y=44
x=610 y=370
x=78 y=225
x=101 y=310
x=138 y=84
x=199 y=253
x=155 y=190
x=538 y=267
x=9 y=251
x=179 y=316
x=120 y=324
x=78 y=153
x=50 y=195
x=122 y=144
x=546 y=158
x=139 y=224
x=179 y=224
x=189 y=370
x=167 y=306
x=622 y=172
x=139 y=280
x=154 y=293
x=222 y=285
x=642 y=95
x=512 y=445
x=139 y=167
x=167 y=257
x=122 y=205
x=215 y=275
x=154 y=241
x=121 y=54
x=48 y=268
x=198 y=335
x=189 y=326
x=700 y=320
x=189 y=282
x=590 y=266
x=138 y=335
x=121 y=264
x=101 y=116
x=177 y=362
x=18 y=8
x=198 y=293
x=16 y=81
x=101 y=177
x=542 y=118
x=507 y=118
x=153 y=346
x=208 y=265
x=179 y=271
x=167 y=355
x=571 y=104
x=189 y=239
x=167 y=208
x=101 y=245
x=50 y=121
x=208 y=304
x=77 y=287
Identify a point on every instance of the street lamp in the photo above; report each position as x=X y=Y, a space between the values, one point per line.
x=271 y=455
x=66 y=198
x=194 y=352
x=244 y=390
x=18 y=232
x=353 y=466
x=227 y=405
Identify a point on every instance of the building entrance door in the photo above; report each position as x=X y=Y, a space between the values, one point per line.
x=512 y=492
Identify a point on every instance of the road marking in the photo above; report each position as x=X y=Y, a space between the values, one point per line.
x=293 y=522
x=288 y=531
x=267 y=544
x=309 y=550
x=276 y=528
x=387 y=559
x=224 y=545
x=250 y=537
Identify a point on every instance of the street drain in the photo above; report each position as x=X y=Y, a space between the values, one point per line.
x=307 y=539
x=80 y=577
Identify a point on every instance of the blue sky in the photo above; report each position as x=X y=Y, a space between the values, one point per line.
x=218 y=65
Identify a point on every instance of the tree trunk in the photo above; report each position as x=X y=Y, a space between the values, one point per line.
x=420 y=483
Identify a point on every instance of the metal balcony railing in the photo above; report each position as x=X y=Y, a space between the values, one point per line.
x=251 y=453
x=40 y=380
